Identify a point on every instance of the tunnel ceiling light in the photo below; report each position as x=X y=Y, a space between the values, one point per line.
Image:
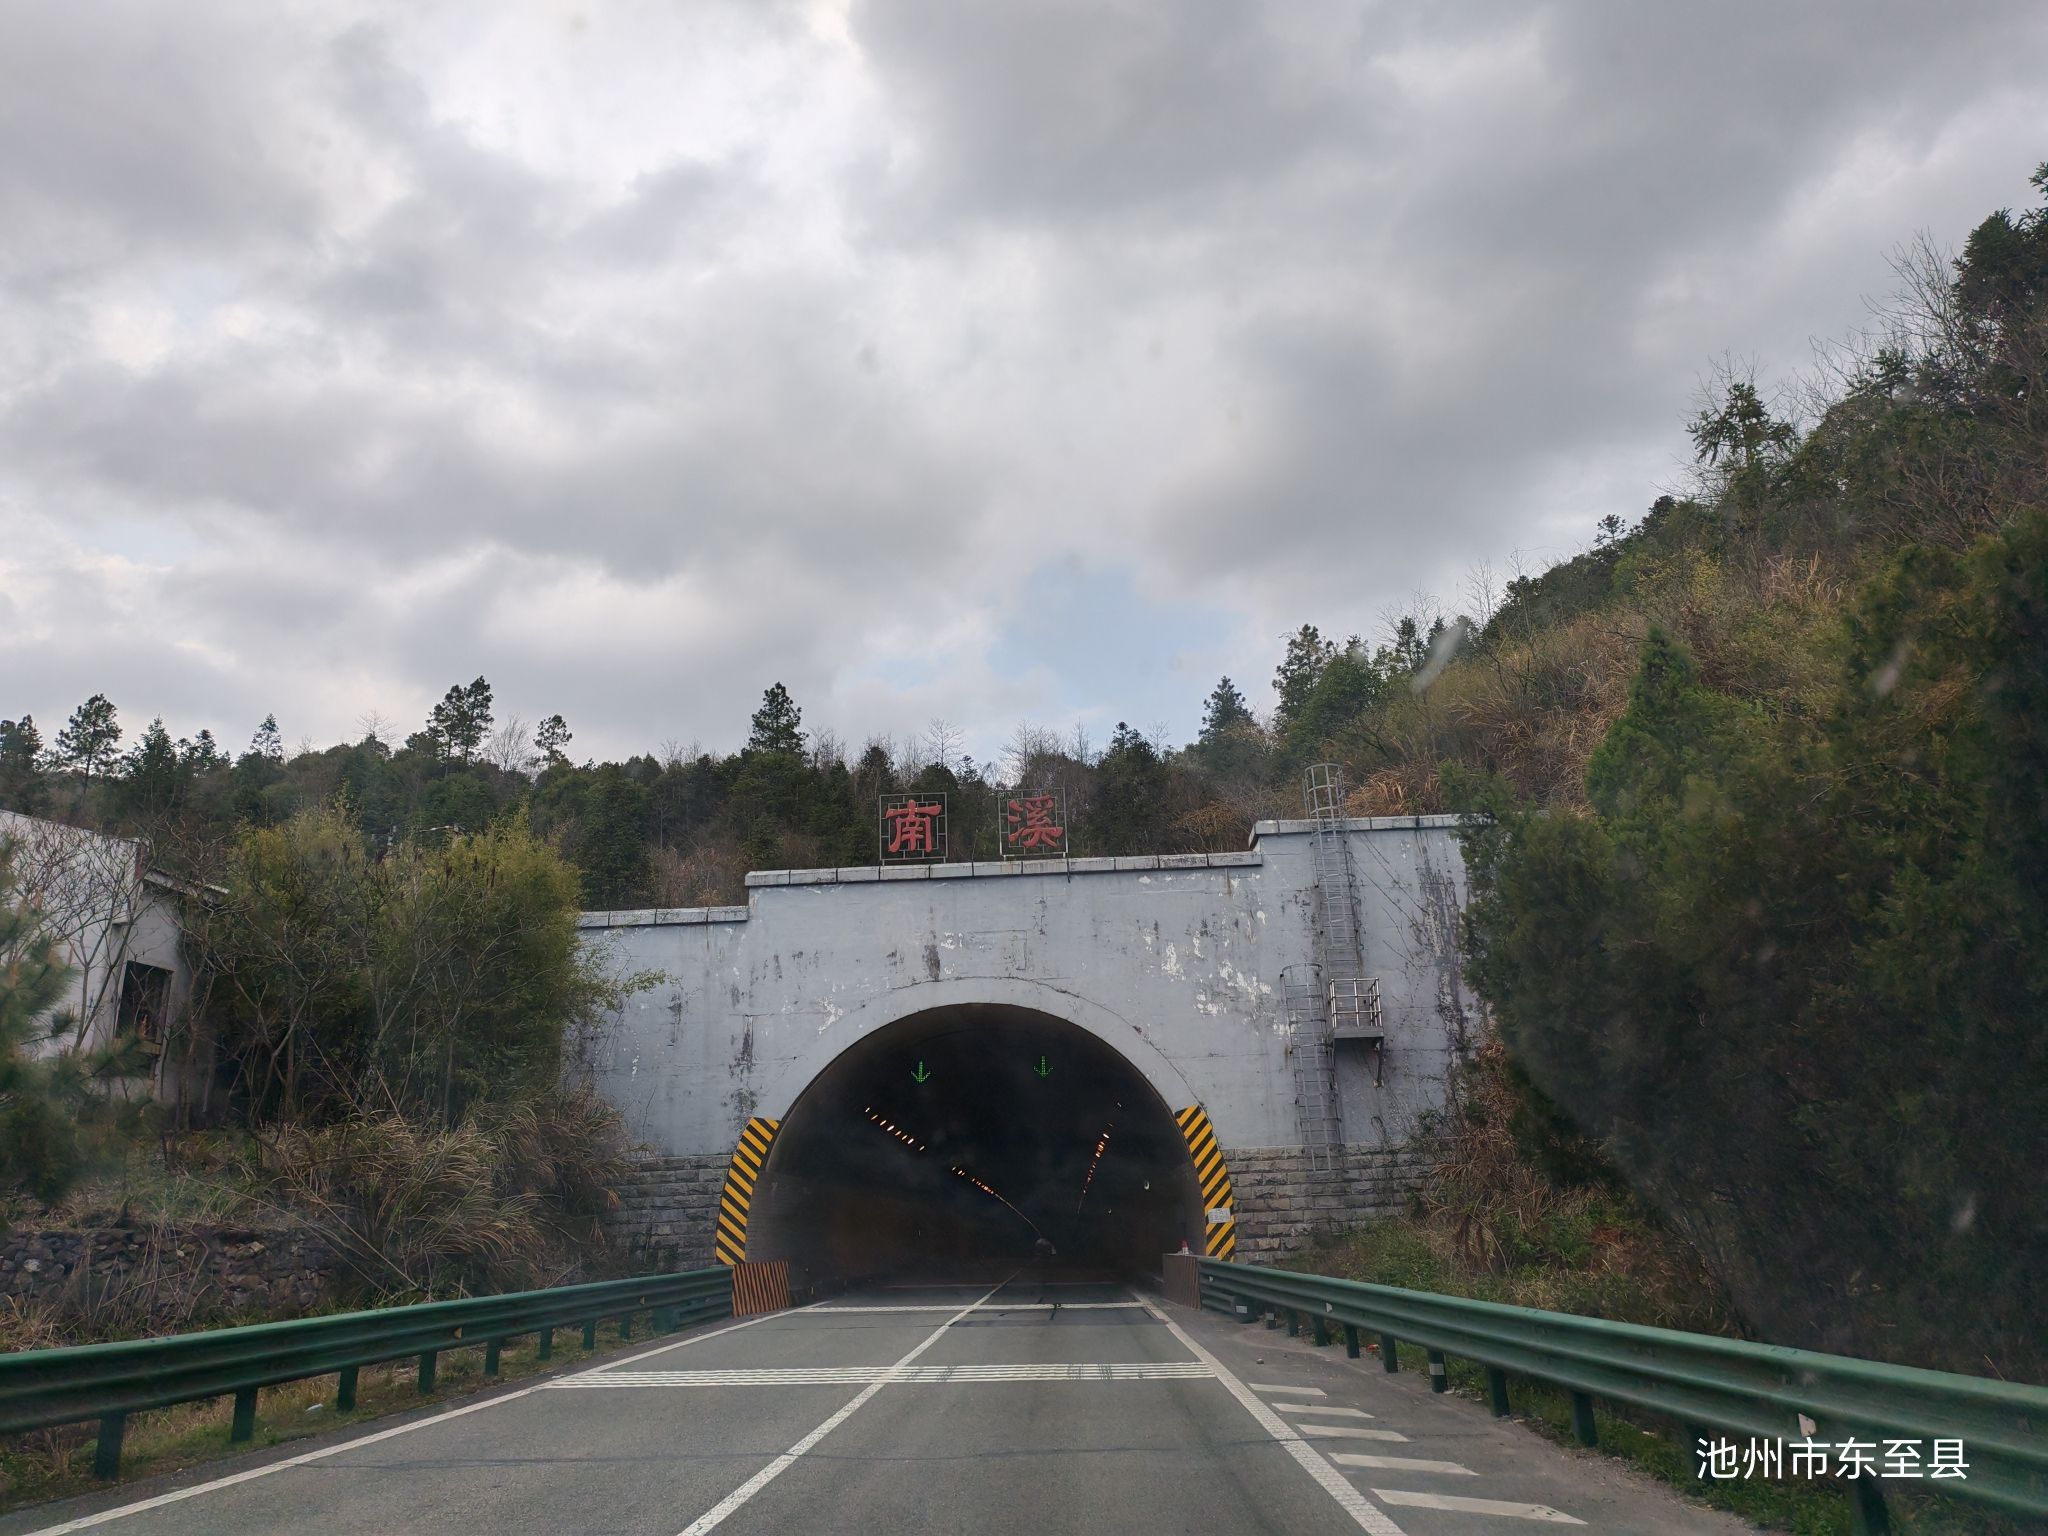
x=985 y=1189
x=897 y=1131
x=1101 y=1146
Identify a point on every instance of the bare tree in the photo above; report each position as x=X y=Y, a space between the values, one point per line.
x=1028 y=745
x=1481 y=592
x=80 y=890
x=509 y=749
x=942 y=741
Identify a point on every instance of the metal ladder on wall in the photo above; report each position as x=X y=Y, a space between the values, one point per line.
x=1343 y=1002
x=1312 y=1052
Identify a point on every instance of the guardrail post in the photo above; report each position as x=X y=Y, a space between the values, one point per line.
x=1439 y=1378
x=1322 y=1334
x=345 y=1390
x=625 y=1325
x=1867 y=1514
x=1583 y=1427
x=244 y=1427
x=1351 y=1340
x=106 y=1456
x=1390 y=1353
x=1293 y=1323
x=1497 y=1391
x=590 y=1334
x=491 y=1357
x=547 y=1344
x=428 y=1360
x=1696 y=1441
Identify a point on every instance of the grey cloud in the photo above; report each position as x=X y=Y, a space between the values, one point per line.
x=1290 y=306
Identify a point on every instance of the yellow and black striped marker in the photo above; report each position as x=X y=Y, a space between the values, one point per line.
x=748 y=1159
x=1220 y=1220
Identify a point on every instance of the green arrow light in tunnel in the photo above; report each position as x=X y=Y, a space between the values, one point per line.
x=921 y=1075
x=1043 y=1069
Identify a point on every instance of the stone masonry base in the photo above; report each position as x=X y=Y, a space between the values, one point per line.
x=1279 y=1202
x=668 y=1205
x=667 y=1210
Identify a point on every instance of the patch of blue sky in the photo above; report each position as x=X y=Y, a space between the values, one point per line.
x=1115 y=653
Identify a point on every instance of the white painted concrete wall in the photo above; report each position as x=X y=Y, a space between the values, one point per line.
x=1175 y=961
x=95 y=898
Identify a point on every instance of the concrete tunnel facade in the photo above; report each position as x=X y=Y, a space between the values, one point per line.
x=924 y=1058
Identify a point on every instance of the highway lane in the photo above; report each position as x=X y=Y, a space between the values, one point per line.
x=1010 y=1408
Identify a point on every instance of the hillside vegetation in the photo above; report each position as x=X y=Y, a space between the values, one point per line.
x=1758 y=898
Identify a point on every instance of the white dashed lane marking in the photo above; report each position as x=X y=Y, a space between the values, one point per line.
x=1307 y=1417
x=1370 y=1517
x=1400 y=1464
x=1497 y=1507
x=913 y=1375
x=1015 y=1306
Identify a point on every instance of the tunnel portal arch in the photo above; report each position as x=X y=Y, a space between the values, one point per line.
x=963 y=1129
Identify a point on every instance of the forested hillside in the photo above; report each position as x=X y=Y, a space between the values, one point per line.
x=1760 y=903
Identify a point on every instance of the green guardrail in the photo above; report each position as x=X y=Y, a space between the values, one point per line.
x=45 y=1387
x=1761 y=1392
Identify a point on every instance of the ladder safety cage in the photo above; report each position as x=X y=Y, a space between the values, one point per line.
x=1351 y=998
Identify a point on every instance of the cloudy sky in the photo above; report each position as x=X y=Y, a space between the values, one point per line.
x=1025 y=361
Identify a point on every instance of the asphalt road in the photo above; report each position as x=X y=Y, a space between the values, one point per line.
x=933 y=1409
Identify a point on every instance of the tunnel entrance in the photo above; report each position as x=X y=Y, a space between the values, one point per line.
x=952 y=1141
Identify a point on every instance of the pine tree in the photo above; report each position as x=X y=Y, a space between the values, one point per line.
x=611 y=841
x=1295 y=678
x=39 y=1150
x=777 y=724
x=462 y=720
x=1224 y=710
x=201 y=753
x=267 y=745
x=22 y=784
x=550 y=739
x=88 y=739
x=153 y=778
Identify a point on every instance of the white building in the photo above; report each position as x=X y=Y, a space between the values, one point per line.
x=117 y=922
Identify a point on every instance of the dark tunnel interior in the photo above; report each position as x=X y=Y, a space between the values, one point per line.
x=947 y=1144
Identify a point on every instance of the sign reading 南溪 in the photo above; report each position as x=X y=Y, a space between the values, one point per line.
x=913 y=828
x=1033 y=824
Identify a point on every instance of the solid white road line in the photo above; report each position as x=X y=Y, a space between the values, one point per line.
x=1323 y=1413
x=716 y=1515
x=1332 y=1482
x=1401 y=1464
x=1274 y=1386
x=179 y=1495
x=1500 y=1507
x=1346 y=1432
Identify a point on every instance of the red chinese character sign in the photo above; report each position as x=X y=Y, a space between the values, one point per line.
x=1034 y=825
x=913 y=828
